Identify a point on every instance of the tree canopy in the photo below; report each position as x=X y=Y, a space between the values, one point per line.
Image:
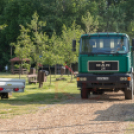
x=54 y=15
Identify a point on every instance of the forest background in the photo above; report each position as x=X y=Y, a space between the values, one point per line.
x=45 y=28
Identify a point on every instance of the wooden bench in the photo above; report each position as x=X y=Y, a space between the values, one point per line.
x=32 y=78
x=37 y=78
x=17 y=71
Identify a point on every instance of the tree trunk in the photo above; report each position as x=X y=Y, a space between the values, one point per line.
x=37 y=67
x=20 y=70
x=71 y=73
x=56 y=67
x=68 y=72
x=11 y=52
x=50 y=74
x=107 y=25
x=55 y=70
x=109 y=3
x=40 y=73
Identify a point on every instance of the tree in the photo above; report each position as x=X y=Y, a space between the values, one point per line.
x=51 y=52
x=37 y=38
x=56 y=43
x=90 y=23
x=68 y=34
x=12 y=13
x=130 y=29
x=103 y=16
x=2 y=26
x=55 y=13
x=111 y=17
x=30 y=41
x=23 y=47
x=129 y=15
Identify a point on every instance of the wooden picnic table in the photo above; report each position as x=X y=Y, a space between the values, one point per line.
x=32 y=78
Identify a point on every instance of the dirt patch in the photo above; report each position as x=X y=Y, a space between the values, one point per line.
x=105 y=114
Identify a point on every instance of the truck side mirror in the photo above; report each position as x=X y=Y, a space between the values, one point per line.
x=133 y=44
x=74 y=45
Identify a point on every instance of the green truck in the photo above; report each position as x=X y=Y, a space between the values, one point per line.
x=105 y=64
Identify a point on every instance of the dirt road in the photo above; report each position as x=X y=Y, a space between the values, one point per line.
x=109 y=113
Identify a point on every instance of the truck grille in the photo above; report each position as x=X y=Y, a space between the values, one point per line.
x=103 y=66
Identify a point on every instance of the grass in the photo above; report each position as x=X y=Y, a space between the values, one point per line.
x=130 y=129
x=33 y=97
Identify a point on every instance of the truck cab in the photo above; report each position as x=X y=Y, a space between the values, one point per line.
x=105 y=64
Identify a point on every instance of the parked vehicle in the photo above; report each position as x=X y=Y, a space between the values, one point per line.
x=7 y=86
x=105 y=64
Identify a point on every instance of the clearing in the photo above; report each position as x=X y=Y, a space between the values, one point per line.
x=59 y=109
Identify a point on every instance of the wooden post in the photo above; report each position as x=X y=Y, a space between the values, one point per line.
x=40 y=79
x=40 y=84
x=11 y=51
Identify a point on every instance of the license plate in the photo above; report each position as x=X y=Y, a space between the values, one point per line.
x=102 y=78
x=9 y=84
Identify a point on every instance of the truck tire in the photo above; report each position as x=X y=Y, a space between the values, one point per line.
x=84 y=93
x=4 y=95
x=129 y=94
x=133 y=84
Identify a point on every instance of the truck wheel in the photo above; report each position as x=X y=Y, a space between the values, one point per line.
x=4 y=95
x=84 y=93
x=133 y=84
x=129 y=94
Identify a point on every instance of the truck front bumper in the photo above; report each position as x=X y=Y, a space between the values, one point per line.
x=105 y=81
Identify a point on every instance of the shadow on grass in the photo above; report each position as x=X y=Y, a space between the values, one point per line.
x=61 y=97
x=39 y=98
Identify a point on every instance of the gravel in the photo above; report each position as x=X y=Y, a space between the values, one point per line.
x=109 y=113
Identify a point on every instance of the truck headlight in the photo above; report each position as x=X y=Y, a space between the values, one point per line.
x=125 y=78
x=81 y=79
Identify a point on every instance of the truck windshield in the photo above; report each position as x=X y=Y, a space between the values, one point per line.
x=104 y=44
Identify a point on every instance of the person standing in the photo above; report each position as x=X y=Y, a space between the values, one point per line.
x=6 y=68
